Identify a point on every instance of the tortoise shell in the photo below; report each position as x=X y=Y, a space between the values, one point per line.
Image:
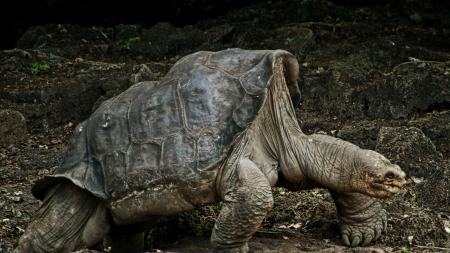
x=174 y=133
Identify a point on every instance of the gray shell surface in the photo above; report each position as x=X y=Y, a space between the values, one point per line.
x=171 y=133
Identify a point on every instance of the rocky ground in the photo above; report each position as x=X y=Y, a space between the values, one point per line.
x=369 y=75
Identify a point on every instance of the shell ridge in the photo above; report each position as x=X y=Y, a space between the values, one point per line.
x=149 y=141
x=211 y=134
x=131 y=138
x=181 y=109
x=224 y=72
x=208 y=60
x=130 y=133
x=163 y=82
x=235 y=114
x=258 y=66
x=262 y=91
x=90 y=165
x=184 y=59
x=102 y=175
x=127 y=159
x=88 y=149
x=161 y=162
x=137 y=99
x=180 y=102
x=193 y=170
x=211 y=66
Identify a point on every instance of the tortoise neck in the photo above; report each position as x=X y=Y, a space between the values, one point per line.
x=329 y=164
x=301 y=158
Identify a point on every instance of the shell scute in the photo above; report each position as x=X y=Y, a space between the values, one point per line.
x=95 y=177
x=246 y=112
x=113 y=165
x=143 y=167
x=155 y=114
x=107 y=130
x=187 y=64
x=207 y=149
x=178 y=161
x=207 y=96
x=168 y=138
x=236 y=62
x=256 y=80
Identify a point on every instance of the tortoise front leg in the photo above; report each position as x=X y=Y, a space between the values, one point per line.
x=361 y=218
x=246 y=202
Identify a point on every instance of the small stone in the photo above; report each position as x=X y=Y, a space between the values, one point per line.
x=43 y=172
x=21 y=230
x=415 y=17
x=294 y=226
x=15 y=198
x=13 y=128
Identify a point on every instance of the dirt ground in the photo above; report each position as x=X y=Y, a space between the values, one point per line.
x=90 y=70
x=300 y=222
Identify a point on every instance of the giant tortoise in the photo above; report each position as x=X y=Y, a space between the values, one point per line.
x=220 y=126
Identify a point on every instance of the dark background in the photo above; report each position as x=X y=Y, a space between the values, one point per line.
x=18 y=16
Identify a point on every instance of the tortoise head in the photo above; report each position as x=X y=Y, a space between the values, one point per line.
x=381 y=178
x=290 y=71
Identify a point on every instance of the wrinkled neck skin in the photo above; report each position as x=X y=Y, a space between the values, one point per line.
x=327 y=164
x=276 y=139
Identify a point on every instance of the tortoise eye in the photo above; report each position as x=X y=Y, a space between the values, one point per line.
x=390 y=175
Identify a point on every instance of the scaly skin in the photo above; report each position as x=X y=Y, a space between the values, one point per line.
x=273 y=139
x=273 y=148
x=361 y=218
x=68 y=219
x=247 y=199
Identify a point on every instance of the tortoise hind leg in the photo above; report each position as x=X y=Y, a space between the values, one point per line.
x=68 y=219
x=128 y=238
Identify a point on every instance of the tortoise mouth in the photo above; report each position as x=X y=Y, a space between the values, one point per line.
x=390 y=187
x=388 y=183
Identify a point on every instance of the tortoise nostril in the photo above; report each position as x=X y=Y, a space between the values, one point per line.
x=390 y=175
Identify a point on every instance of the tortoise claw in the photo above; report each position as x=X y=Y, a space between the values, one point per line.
x=355 y=241
x=367 y=240
x=377 y=235
x=359 y=226
x=345 y=239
